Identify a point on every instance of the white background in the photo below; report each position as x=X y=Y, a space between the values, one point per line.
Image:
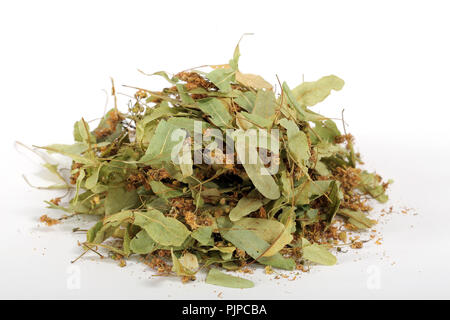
x=56 y=57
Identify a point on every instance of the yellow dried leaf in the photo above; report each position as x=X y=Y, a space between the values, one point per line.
x=253 y=81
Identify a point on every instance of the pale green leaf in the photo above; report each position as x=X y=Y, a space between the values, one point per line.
x=265 y=104
x=256 y=120
x=222 y=79
x=142 y=243
x=246 y=100
x=217 y=110
x=162 y=191
x=254 y=245
x=203 y=235
x=163 y=230
x=371 y=184
x=311 y=93
x=215 y=277
x=257 y=172
x=119 y=199
x=253 y=81
x=297 y=142
x=244 y=207
x=317 y=254
x=91 y=182
x=359 y=219
x=163 y=144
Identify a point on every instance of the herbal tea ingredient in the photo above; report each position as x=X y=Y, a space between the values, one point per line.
x=182 y=216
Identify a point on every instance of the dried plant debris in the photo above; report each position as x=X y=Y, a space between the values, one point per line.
x=172 y=179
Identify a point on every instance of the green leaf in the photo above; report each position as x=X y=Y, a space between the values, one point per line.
x=216 y=109
x=265 y=104
x=92 y=232
x=161 y=111
x=252 y=243
x=297 y=142
x=81 y=132
x=188 y=124
x=81 y=176
x=185 y=97
x=246 y=100
x=270 y=231
x=222 y=79
x=256 y=120
x=91 y=182
x=142 y=243
x=119 y=199
x=66 y=150
x=76 y=148
x=311 y=93
x=118 y=218
x=244 y=207
x=162 y=144
x=327 y=131
x=106 y=228
x=311 y=190
x=371 y=184
x=203 y=235
x=258 y=173
x=253 y=81
x=326 y=149
x=357 y=218
x=85 y=206
x=234 y=63
x=322 y=169
x=126 y=243
x=164 y=192
x=285 y=237
x=163 y=230
x=217 y=278
x=164 y=75
x=335 y=197
x=317 y=254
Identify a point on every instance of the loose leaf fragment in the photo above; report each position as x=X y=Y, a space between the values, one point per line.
x=357 y=218
x=311 y=93
x=371 y=183
x=317 y=254
x=217 y=278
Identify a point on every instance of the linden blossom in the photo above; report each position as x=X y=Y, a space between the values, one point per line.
x=217 y=170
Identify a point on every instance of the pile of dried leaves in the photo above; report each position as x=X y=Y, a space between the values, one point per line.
x=183 y=216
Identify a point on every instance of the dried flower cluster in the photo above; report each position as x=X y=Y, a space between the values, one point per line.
x=180 y=216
